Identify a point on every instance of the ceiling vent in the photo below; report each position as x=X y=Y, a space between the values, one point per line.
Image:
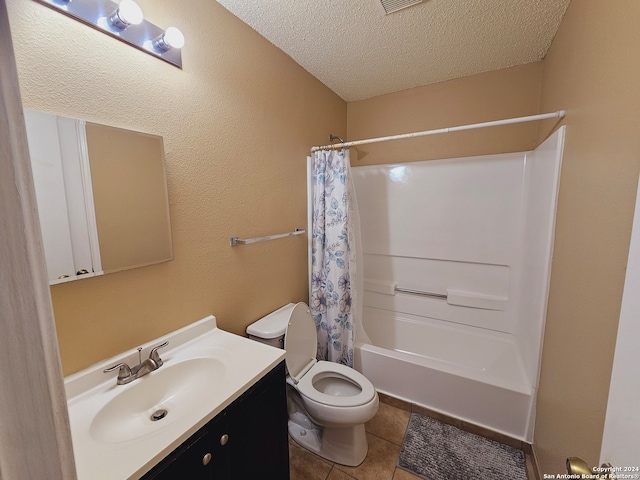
x=391 y=6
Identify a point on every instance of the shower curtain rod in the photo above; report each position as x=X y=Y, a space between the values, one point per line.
x=473 y=126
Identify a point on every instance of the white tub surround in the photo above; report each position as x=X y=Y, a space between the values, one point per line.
x=112 y=450
x=457 y=260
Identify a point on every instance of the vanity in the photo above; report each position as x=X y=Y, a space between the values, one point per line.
x=215 y=409
x=245 y=440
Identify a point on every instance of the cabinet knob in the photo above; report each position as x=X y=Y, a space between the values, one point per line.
x=206 y=459
x=224 y=439
x=82 y=271
x=63 y=276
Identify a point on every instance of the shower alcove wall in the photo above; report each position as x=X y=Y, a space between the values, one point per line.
x=480 y=231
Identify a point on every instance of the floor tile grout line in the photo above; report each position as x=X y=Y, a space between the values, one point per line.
x=387 y=440
x=341 y=471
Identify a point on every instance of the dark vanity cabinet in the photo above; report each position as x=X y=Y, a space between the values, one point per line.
x=247 y=440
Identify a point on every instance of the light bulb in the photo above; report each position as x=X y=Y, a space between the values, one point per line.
x=174 y=37
x=128 y=13
x=170 y=38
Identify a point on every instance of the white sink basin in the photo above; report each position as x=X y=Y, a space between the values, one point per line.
x=178 y=389
x=205 y=369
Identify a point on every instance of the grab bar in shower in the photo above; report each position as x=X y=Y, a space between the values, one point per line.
x=418 y=292
x=235 y=241
x=463 y=299
x=458 y=298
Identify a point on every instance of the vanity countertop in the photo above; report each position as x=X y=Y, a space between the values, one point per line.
x=205 y=369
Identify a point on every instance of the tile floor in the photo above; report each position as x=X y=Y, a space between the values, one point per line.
x=385 y=433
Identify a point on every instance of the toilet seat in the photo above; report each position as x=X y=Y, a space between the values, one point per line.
x=306 y=388
x=300 y=343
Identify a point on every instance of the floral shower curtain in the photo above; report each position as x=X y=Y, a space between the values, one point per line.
x=334 y=245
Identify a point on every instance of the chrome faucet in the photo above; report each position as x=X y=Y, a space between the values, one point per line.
x=128 y=374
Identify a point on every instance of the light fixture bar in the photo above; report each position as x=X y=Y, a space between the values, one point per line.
x=96 y=13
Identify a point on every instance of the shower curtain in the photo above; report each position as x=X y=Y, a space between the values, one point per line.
x=335 y=243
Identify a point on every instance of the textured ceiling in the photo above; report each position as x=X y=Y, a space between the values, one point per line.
x=359 y=52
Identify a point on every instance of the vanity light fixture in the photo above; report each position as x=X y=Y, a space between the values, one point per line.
x=124 y=20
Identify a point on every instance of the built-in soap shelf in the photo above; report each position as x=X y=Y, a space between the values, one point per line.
x=452 y=297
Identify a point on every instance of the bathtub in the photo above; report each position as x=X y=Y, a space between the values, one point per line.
x=456 y=257
x=464 y=372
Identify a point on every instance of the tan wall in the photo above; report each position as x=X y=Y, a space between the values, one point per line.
x=592 y=71
x=237 y=123
x=507 y=93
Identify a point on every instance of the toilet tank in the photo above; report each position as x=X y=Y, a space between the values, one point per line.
x=270 y=328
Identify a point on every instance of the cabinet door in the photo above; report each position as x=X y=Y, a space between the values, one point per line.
x=257 y=423
x=193 y=461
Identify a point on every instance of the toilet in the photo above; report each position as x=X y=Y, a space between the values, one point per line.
x=328 y=403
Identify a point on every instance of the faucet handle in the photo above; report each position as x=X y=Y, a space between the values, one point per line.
x=123 y=373
x=154 y=354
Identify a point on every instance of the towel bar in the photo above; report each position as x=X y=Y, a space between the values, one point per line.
x=235 y=241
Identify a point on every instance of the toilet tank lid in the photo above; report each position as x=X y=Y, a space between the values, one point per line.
x=273 y=325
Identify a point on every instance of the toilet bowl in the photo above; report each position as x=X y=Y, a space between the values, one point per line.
x=328 y=403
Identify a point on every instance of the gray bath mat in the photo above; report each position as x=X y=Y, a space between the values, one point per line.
x=435 y=451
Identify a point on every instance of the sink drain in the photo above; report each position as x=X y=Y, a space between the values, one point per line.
x=158 y=415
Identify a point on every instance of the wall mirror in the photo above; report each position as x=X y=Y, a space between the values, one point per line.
x=102 y=196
